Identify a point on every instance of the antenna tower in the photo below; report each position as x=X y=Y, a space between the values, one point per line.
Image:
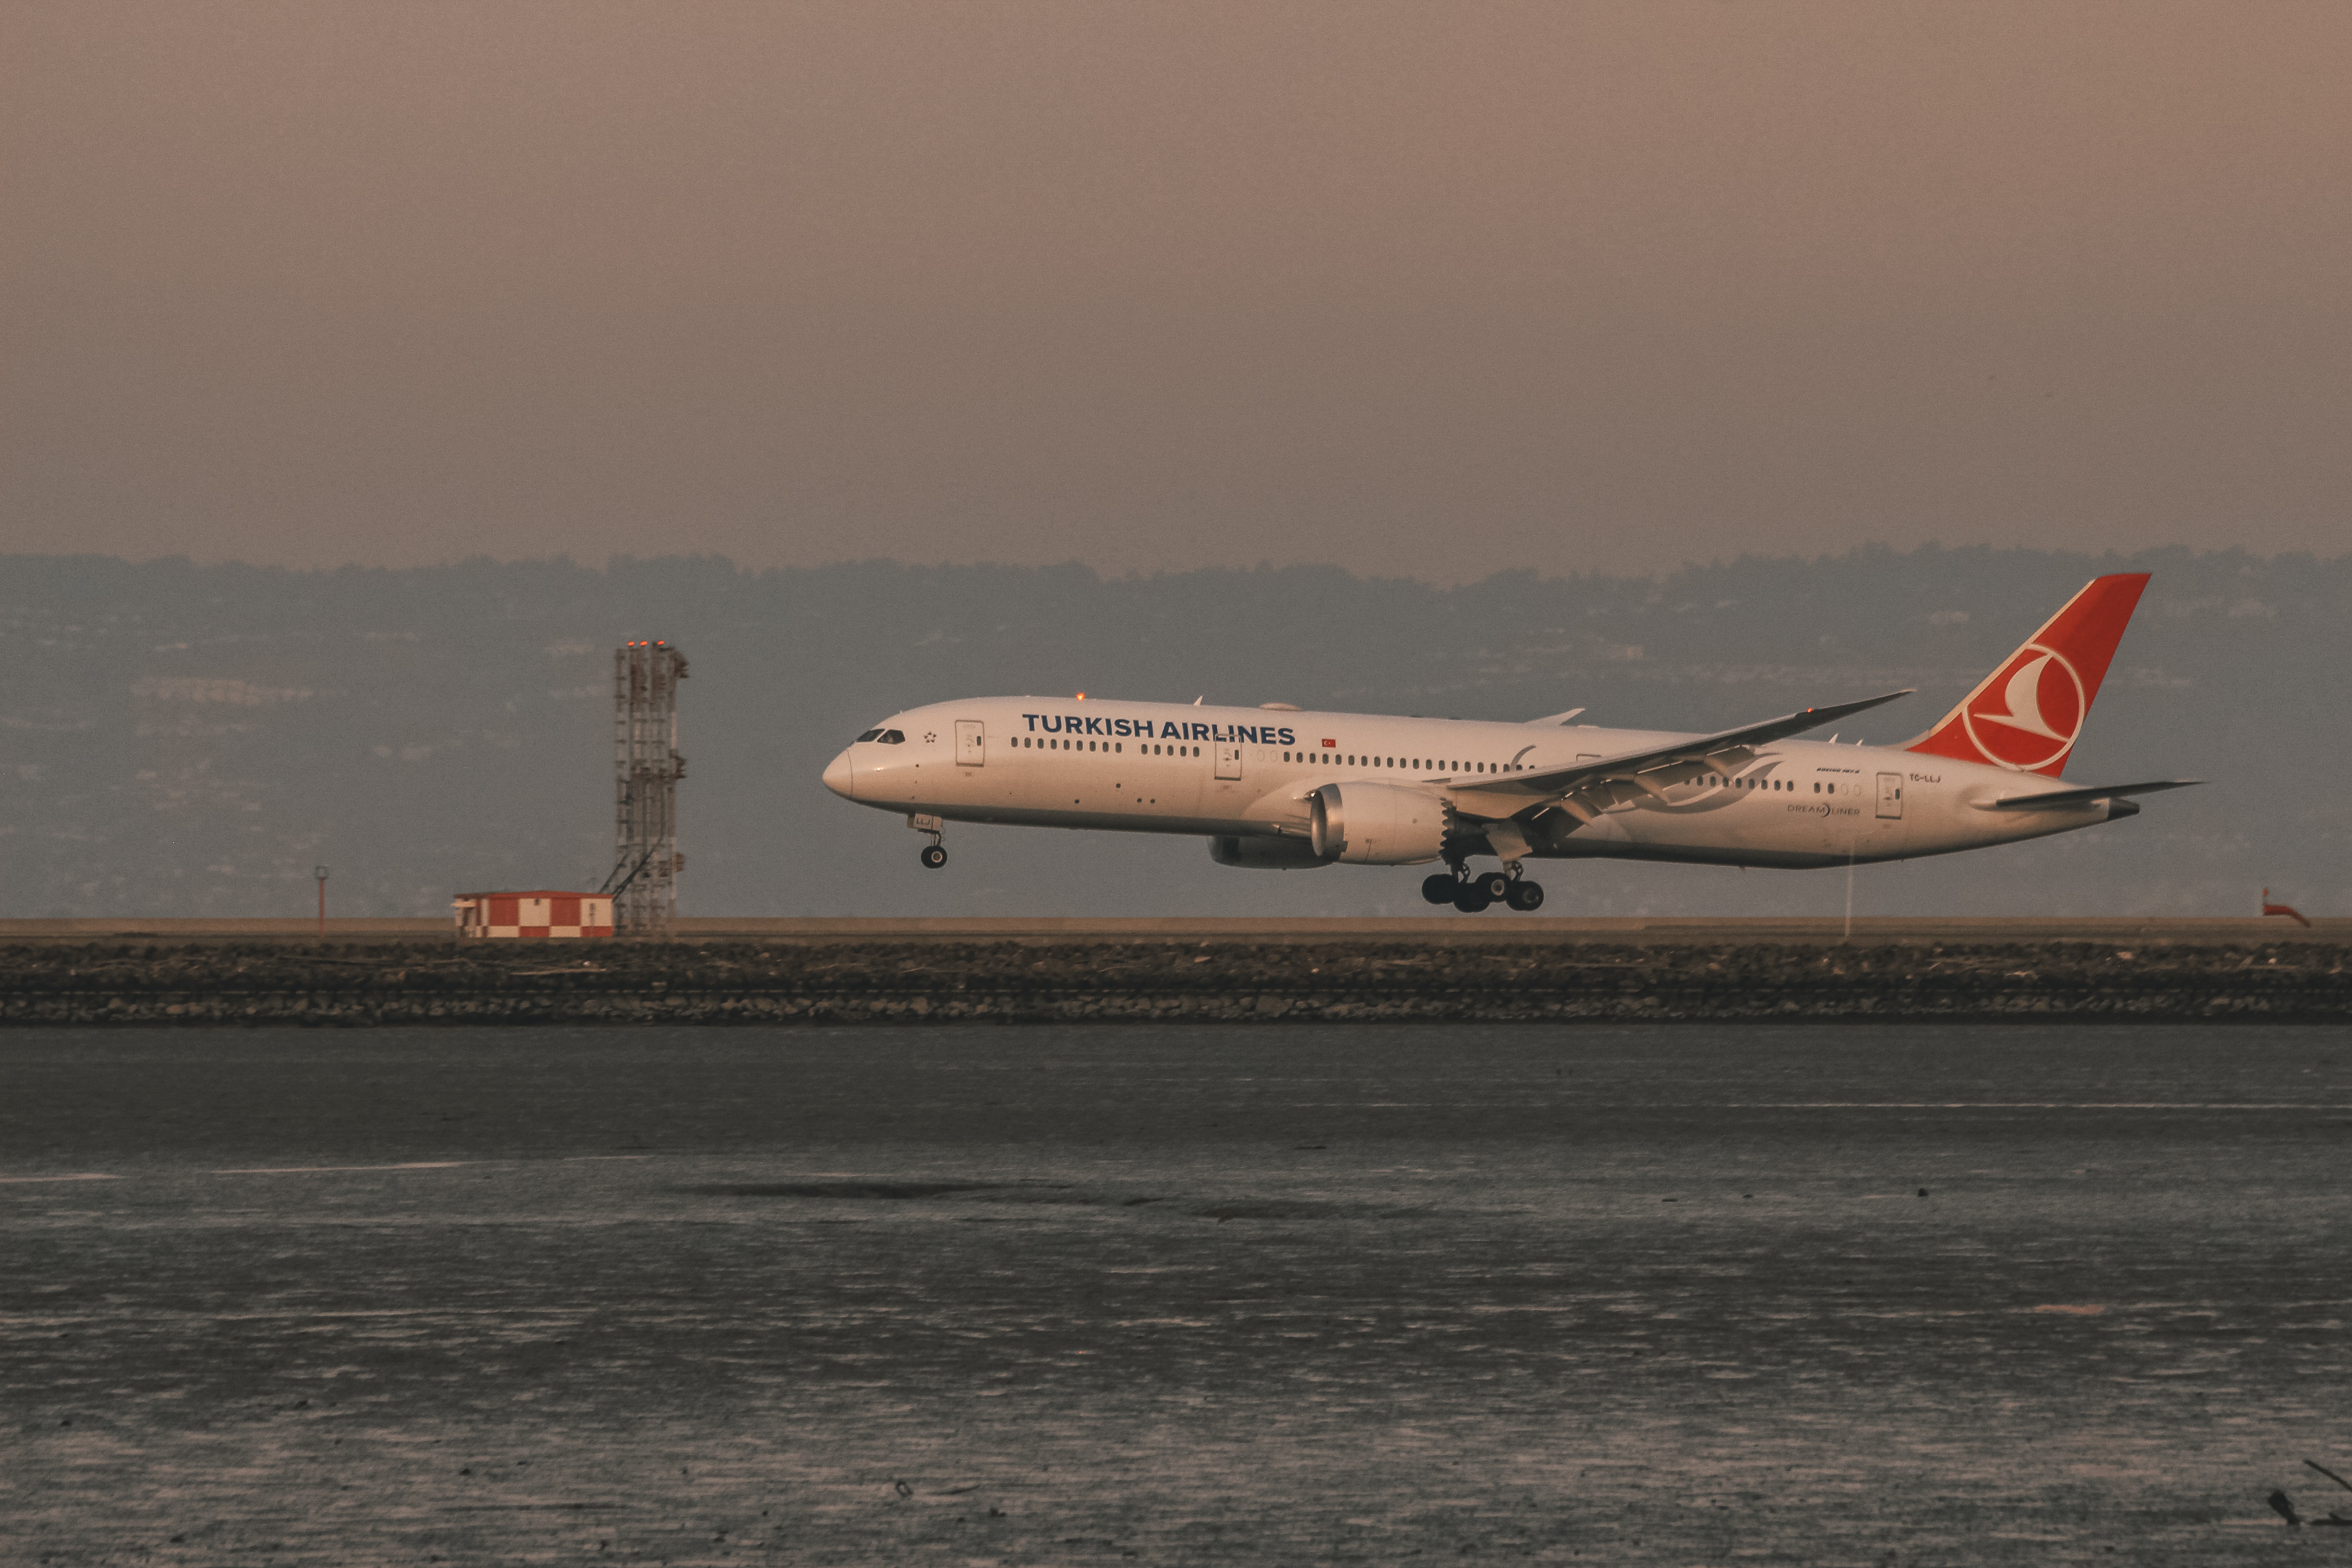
x=644 y=883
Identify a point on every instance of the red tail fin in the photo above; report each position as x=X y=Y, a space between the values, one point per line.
x=2028 y=712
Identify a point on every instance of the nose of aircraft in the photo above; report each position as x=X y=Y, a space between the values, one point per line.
x=839 y=778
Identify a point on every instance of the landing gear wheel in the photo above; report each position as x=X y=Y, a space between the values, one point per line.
x=1439 y=889
x=1471 y=898
x=934 y=855
x=1524 y=896
x=1494 y=884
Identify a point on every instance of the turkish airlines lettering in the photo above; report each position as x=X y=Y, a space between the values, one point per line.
x=1282 y=789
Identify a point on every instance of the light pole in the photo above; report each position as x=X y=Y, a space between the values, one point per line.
x=320 y=873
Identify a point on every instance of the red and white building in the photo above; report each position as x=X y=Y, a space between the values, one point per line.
x=538 y=914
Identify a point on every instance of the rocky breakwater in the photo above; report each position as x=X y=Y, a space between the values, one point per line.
x=1026 y=981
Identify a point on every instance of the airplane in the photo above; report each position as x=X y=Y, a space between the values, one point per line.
x=1280 y=788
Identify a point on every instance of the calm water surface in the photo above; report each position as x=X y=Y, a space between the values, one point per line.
x=1174 y=1294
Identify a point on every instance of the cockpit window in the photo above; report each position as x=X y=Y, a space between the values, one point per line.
x=870 y=735
x=894 y=738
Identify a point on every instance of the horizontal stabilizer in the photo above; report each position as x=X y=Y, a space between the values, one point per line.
x=2049 y=797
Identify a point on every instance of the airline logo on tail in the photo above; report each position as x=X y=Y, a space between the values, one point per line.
x=2031 y=712
x=2027 y=714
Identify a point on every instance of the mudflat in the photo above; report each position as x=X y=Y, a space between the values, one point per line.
x=1920 y=1293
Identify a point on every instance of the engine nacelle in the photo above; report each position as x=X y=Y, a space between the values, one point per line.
x=1377 y=823
x=1265 y=853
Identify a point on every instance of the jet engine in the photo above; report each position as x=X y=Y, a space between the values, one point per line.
x=1377 y=823
x=1264 y=854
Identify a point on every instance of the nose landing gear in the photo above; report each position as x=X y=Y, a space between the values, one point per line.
x=935 y=854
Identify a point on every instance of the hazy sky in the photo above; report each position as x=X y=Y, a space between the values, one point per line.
x=1423 y=289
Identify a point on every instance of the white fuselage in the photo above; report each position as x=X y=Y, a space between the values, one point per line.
x=1249 y=773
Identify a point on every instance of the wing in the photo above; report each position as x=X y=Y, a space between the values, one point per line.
x=1648 y=770
x=2049 y=798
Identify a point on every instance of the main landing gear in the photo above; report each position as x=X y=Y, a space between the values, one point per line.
x=1470 y=893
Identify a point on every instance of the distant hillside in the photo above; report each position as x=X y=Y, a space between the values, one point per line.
x=190 y=740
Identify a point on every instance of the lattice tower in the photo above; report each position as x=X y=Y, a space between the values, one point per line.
x=646 y=764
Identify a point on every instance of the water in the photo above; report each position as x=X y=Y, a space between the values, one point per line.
x=1197 y=1295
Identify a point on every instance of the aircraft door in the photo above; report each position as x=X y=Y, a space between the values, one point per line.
x=1229 y=762
x=971 y=743
x=1890 y=794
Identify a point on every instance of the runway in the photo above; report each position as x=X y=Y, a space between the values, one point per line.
x=1188 y=1295
x=1438 y=929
